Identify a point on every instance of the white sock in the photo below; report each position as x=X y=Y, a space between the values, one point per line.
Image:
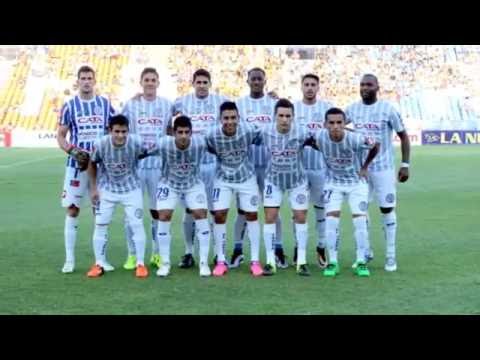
x=331 y=230
x=188 y=232
x=302 y=238
x=239 y=231
x=154 y=236
x=390 y=229
x=128 y=237
x=278 y=241
x=294 y=231
x=220 y=235
x=164 y=240
x=139 y=238
x=203 y=234
x=100 y=243
x=254 y=235
x=361 y=235
x=320 y=227
x=269 y=231
x=70 y=232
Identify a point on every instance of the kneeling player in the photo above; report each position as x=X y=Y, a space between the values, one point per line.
x=180 y=179
x=117 y=155
x=234 y=176
x=343 y=152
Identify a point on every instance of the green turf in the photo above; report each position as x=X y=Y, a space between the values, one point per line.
x=438 y=253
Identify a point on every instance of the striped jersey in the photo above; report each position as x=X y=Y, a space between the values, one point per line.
x=233 y=163
x=378 y=121
x=87 y=121
x=118 y=165
x=204 y=114
x=312 y=118
x=181 y=168
x=259 y=112
x=285 y=156
x=149 y=120
x=343 y=159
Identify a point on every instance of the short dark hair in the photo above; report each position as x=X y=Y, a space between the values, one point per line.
x=284 y=103
x=182 y=121
x=335 y=111
x=371 y=75
x=148 y=70
x=228 y=105
x=202 y=72
x=85 y=69
x=119 y=119
x=256 y=69
x=310 y=76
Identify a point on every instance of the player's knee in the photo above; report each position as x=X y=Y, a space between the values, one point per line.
x=271 y=215
x=154 y=214
x=358 y=215
x=334 y=214
x=300 y=217
x=73 y=211
x=386 y=210
x=251 y=216
x=199 y=214
x=220 y=217
x=165 y=216
x=187 y=210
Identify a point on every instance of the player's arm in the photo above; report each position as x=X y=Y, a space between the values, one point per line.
x=80 y=155
x=371 y=155
x=403 y=172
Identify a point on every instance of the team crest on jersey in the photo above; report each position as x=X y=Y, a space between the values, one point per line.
x=138 y=213
x=97 y=110
x=390 y=198
x=301 y=198
x=200 y=198
x=363 y=206
x=254 y=200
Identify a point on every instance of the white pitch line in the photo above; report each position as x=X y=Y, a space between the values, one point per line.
x=20 y=163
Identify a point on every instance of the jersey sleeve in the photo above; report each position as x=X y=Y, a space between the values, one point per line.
x=348 y=115
x=95 y=156
x=395 y=120
x=65 y=116
x=362 y=142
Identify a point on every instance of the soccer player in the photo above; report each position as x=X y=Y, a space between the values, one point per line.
x=378 y=119
x=234 y=176
x=310 y=114
x=115 y=157
x=343 y=152
x=85 y=117
x=149 y=117
x=180 y=180
x=285 y=173
x=257 y=108
x=202 y=109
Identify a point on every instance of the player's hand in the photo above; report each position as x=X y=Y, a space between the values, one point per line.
x=95 y=196
x=403 y=174
x=363 y=173
x=81 y=156
x=273 y=94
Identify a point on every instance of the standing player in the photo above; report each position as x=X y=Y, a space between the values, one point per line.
x=202 y=109
x=180 y=180
x=257 y=109
x=310 y=114
x=234 y=176
x=285 y=174
x=117 y=156
x=149 y=117
x=85 y=117
x=378 y=119
x=343 y=152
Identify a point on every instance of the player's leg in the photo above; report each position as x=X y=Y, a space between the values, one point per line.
x=248 y=200
x=272 y=200
x=103 y=216
x=358 y=201
x=74 y=189
x=152 y=183
x=385 y=184
x=167 y=199
x=187 y=260
x=280 y=258
x=196 y=199
x=299 y=202
x=221 y=199
x=133 y=203
x=332 y=198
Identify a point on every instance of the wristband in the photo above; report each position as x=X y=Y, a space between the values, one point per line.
x=405 y=165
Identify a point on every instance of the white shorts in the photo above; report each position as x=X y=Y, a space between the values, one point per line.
x=149 y=179
x=357 y=197
x=383 y=185
x=132 y=202
x=193 y=198
x=316 y=183
x=207 y=175
x=299 y=196
x=247 y=195
x=75 y=187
